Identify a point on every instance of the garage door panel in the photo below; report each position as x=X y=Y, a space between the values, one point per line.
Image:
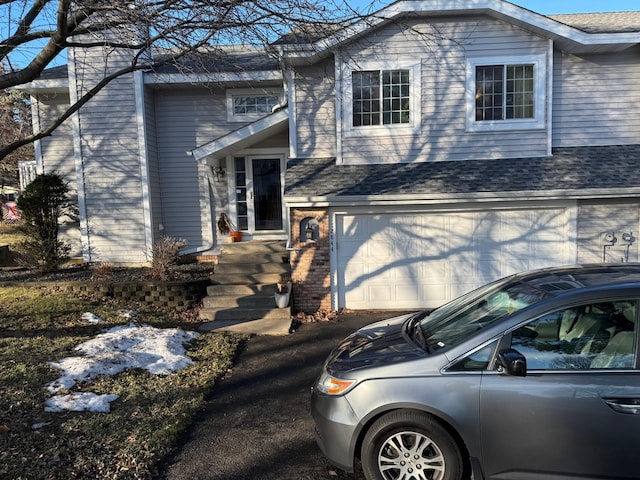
x=355 y=273
x=381 y=273
x=438 y=293
x=424 y=259
x=521 y=265
x=380 y=249
x=381 y=293
x=408 y=295
x=435 y=271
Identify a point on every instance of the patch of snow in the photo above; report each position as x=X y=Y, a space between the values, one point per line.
x=37 y=426
x=79 y=402
x=91 y=318
x=159 y=351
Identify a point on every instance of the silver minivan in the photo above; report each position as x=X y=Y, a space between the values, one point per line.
x=534 y=376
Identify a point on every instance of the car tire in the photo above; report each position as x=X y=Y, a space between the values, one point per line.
x=411 y=445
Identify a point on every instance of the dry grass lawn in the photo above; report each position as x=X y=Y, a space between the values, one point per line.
x=39 y=326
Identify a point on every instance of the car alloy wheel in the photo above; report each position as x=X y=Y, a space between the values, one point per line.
x=410 y=445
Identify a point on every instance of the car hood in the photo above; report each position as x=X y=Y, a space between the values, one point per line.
x=384 y=342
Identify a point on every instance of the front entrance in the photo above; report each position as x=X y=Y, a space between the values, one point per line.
x=258 y=193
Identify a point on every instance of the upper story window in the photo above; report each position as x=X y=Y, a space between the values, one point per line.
x=380 y=98
x=504 y=92
x=249 y=105
x=507 y=94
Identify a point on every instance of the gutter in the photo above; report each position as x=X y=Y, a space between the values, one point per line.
x=445 y=198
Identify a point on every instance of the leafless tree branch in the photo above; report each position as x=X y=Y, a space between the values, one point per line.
x=29 y=44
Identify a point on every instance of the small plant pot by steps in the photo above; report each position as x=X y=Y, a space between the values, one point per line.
x=282 y=295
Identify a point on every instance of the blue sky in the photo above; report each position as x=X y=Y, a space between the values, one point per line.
x=539 y=6
x=578 y=6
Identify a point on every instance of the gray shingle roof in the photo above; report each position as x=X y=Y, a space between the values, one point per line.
x=609 y=22
x=224 y=59
x=568 y=170
x=54 y=72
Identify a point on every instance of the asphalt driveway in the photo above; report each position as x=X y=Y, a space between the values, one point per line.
x=257 y=423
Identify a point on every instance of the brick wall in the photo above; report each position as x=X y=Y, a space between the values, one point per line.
x=310 y=269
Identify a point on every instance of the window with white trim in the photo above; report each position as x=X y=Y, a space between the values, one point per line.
x=380 y=98
x=249 y=105
x=505 y=94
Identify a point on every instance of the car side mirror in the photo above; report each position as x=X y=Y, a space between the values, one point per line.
x=512 y=362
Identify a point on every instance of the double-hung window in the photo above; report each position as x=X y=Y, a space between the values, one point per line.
x=380 y=98
x=507 y=94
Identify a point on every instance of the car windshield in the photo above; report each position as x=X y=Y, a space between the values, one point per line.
x=455 y=321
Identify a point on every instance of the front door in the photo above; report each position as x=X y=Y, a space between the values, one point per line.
x=259 y=193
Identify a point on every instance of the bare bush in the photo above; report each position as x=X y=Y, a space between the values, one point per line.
x=166 y=253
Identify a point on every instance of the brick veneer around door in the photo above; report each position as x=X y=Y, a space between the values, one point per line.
x=310 y=269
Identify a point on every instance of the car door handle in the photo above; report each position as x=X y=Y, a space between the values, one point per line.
x=627 y=405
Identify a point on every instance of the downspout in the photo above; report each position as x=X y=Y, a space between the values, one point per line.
x=143 y=155
x=85 y=236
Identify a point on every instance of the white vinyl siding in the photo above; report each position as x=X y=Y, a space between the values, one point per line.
x=596 y=218
x=441 y=53
x=596 y=99
x=315 y=115
x=56 y=151
x=109 y=157
x=153 y=165
x=56 y=155
x=186 y=119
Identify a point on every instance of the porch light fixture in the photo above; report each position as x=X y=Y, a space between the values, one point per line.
x=220 y=173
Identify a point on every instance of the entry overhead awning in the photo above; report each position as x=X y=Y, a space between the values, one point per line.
x=242 y=138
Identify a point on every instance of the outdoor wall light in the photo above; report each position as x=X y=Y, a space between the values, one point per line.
x=627 y=238
x=608 y=238
x=220 y=173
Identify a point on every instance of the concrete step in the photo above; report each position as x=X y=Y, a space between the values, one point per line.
x=237 y=248
x=245 y=314
x=250 y=268
x=241 y=290
x=248 y=279
x=241 y=258
x=261 y=326
x=233 y=301
x=241 y=295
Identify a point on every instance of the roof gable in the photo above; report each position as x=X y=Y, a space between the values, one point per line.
x=572 y=33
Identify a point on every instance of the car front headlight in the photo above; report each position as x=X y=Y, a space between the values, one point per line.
x=330 y=385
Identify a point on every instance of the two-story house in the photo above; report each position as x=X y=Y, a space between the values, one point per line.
x=406 y=159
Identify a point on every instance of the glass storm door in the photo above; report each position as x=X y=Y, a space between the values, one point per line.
x=258 y=193
x=267 y=194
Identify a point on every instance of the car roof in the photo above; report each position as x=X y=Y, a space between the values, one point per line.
x=559 y=280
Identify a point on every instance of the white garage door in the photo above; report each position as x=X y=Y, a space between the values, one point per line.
x=425 y=259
